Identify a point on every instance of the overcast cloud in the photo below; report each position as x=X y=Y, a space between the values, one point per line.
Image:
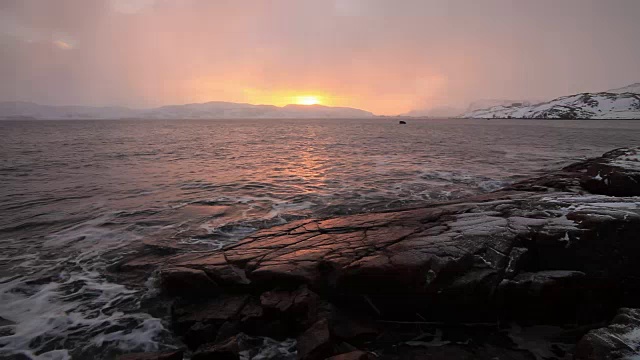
x=388 y=57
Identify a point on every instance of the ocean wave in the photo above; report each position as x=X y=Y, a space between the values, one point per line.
x=66 y=307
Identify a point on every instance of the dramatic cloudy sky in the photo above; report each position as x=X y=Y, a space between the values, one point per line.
x=386 y=56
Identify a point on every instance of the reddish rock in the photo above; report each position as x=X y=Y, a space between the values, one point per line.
x=215 y=265
x=526 y=253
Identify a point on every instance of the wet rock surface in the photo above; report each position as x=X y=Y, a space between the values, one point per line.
x=555 y=250
x=616 y=174
x=619 y=340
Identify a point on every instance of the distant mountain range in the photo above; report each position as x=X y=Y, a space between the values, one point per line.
x=622 y=103
x=17 y=110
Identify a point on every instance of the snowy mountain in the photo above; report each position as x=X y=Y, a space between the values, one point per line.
x=489 y=103
x=633 y=88
x=211 y=110
x=621 y=103
x=28 y=110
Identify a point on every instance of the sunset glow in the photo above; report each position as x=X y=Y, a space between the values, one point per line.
x=419 y=58
x=300 y=174
x=307 y=100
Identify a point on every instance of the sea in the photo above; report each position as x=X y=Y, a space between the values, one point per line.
x=77 y=196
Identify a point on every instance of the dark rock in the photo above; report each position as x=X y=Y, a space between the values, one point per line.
x=458 y=352
x=300 y=300
x=6 y=331
x=206 y=318
x=201 y=333
x=619 y=340
x=546 y=296
x=252 y=319
x=607 y=176
x=182 y=281
x=278 y=300
x=297 y=309
x=541 y=252
x=172 y=355
x=349 y=327
x=315 y=342
x=343 y=348
x=228 y=349
x=227 y=329
x=444 y=262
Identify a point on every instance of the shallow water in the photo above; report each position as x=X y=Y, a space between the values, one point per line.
x=75 y=194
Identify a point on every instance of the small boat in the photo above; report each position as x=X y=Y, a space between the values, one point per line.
x=402 y=122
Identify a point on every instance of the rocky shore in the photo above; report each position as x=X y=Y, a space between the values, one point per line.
x=547 y=268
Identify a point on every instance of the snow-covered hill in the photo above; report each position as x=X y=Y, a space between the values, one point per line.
x=211 y=110
x=29 y=110
x=604 y=105
x=489 y=103
x=633 y=88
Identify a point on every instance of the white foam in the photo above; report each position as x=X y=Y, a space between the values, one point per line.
x=67 y=307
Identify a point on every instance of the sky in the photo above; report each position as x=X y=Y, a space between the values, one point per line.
x=386 y=56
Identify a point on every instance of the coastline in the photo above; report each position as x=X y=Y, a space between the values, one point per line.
x=450 y=280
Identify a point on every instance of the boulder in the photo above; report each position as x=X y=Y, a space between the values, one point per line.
x=616 y=173
x=619 y=340
x=315 y=342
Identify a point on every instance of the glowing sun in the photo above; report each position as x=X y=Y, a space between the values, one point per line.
x=307 y=100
